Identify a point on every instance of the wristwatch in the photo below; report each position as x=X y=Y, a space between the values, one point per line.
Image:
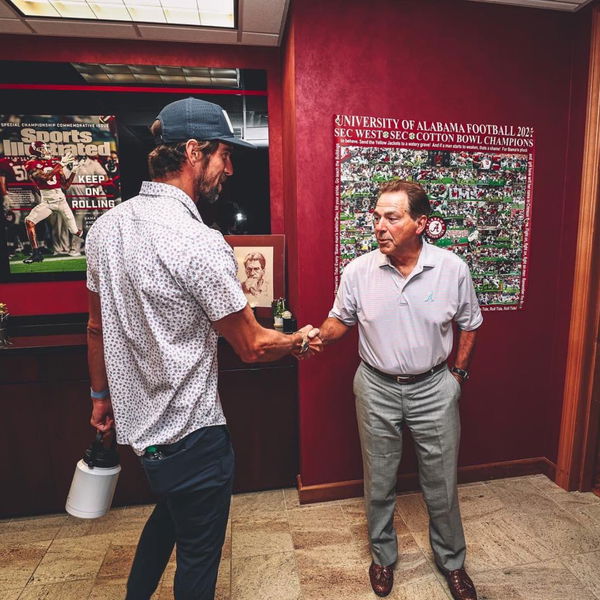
x=464 y=374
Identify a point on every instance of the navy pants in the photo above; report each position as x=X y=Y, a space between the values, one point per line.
x=194 y=482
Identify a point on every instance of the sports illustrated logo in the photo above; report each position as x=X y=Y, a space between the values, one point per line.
x=429 y=297
x=435 y=228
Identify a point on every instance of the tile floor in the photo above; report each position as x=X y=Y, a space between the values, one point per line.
x=527 y=540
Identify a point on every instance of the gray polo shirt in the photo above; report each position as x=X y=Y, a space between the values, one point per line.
x=405 y=324
x=163 y=277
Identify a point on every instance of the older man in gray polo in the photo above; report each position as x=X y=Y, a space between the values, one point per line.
x=404 y=297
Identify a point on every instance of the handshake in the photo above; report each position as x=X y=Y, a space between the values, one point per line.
x=309 y=343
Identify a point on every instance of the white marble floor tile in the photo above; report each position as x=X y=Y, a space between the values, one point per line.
x=320 y=525
x=268 y=577
x=520 y=494
x=18 y=562
x=412 y=509
x=527 y=539
x=586 y=567
x=257 y=504
x=563 y=531
x=72 y=558
x=64 y=590
x=539 y=581
x=267 y=535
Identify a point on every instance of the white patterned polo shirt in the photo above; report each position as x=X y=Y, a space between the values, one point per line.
x=163 y=277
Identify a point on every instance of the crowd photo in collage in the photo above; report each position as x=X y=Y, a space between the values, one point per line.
x=481 y=198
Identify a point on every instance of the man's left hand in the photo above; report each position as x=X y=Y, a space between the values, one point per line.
x=458 y=378
x=102 y=415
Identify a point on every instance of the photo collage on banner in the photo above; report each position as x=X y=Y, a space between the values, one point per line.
x=61 y=173
x=479 y=180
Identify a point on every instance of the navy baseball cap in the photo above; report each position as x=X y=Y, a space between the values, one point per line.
x=196 y=119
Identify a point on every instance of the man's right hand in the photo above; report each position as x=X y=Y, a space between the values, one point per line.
x=102 y=415
x=311 y=343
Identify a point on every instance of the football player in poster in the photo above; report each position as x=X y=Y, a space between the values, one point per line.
x=89 y=182
x=15 y=200
x=7 y=175
x=49 y=177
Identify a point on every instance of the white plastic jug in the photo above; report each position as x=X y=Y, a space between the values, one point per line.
x=94 y=481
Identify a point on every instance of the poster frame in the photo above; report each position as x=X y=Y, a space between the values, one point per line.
x=277 y=243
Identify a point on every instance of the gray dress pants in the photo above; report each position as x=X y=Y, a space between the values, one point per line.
x=429 y=408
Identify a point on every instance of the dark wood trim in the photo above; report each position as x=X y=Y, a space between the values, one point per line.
x=511 y=468
x=50 y=325
x=324 y=492
x=579 y=424
x=27 y=345
x=409 y=482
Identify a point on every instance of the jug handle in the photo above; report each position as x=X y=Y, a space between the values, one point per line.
x=98 y=444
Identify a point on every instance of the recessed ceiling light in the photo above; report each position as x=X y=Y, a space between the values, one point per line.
x=148 y=78
x=147 y=14
x=203 y=13
x=136 y=3
x=110 y=12
x=173 y=79
x=182 y=16
x=197 y=71
x=74 y=10
x=36 y=8
x=123 y=77
x=214 y=19
x=208 y=77
x=115 y=68
x=189 y=4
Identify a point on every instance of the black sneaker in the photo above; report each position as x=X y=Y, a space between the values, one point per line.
x=35 y=257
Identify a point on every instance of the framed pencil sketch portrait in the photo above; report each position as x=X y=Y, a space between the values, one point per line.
x=260 y=260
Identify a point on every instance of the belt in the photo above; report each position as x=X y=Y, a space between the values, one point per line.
x=407 y=378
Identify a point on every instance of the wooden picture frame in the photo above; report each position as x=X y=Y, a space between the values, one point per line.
x=261 y=269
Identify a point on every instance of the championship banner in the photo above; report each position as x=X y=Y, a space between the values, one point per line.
x=60 y=174
x=479 y=179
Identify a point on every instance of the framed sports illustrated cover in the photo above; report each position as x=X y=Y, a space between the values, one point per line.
x=58 y=174
x=261 y=268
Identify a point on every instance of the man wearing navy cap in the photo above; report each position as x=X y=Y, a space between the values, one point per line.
x=162 y=285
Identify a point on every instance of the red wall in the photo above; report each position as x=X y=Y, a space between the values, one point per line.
x=449 y=61
x=68 y=297
x=458 y=61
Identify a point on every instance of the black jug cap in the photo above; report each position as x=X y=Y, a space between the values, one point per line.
x=101 y=456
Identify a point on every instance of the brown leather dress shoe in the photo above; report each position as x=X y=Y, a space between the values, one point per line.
x=460 y=584
x=382 y=579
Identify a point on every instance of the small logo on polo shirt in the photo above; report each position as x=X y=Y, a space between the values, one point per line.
x=429 y=297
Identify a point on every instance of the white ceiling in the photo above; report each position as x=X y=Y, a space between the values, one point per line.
x=260 y=23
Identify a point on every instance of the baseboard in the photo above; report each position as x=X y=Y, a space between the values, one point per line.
x=408 y=482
